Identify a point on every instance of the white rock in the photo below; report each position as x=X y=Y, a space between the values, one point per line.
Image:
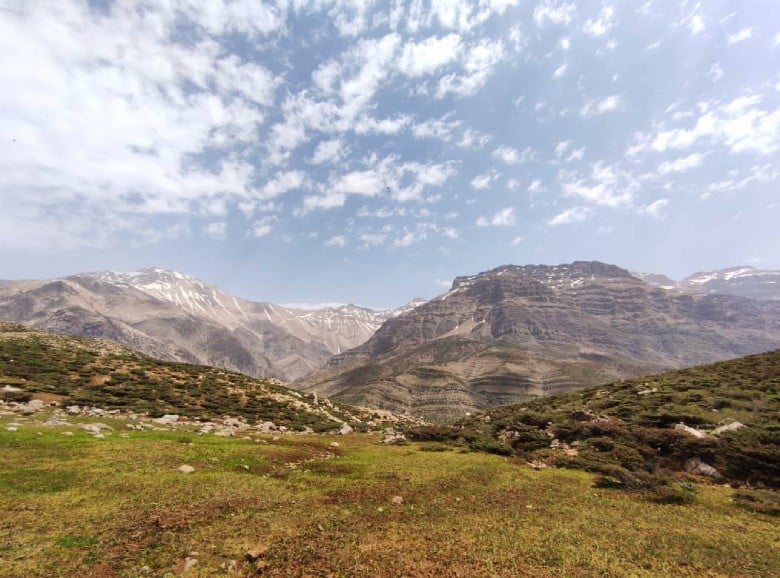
x=397 y=500
x=733 y=426
x=185 y=469
x=345 y=429
x=691 y=431
x=167 y=419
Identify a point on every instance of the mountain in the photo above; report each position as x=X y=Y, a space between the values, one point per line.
x=523 y=331
x=743 y=281
x=170 y=315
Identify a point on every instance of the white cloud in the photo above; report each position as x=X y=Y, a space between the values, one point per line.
x=681 y=165
x=473 y=139
x=503 y=218
x=109 y=110
x=554 y=12
x=329 y=151
x=425 y=57
x=776 y=40
x=598 y=107
x=481 y=182
x=441 y=129
x=564 y=43
x=284 y=182
x=716 y=72
x=262 y=227
x=743 y=34
x=741 y=125
x=513 y=156
x=329 y=200
x=535 y=186
x=696 y=24
x=372 y=238
x=656 y=209
x=605 y=185
x=573 y=215
x=479 y=62
x=560 y=71
x=562 y=147
x=601 y=25
x=516 y=241
x=336 y=241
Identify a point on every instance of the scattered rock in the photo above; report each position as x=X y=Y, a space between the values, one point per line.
x=733 y=426
x=537 y=464
x=647 y=391
x=189 y=563
x=10 y=389
x=266 y=426
x=397 y=500
x=95 y=428
x=10 y=428
x=486 y=419
x=334 y=444
x=696 y=466
x=345 y=429
x=167 y=419
x=54 y=421
x=691 y=431
x=185 y=469
x=257 y=552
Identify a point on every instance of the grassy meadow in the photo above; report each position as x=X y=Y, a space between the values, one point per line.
x=75 y=505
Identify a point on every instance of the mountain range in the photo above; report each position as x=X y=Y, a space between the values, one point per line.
x=517 y=332
x=173 y=316
x=495 y=337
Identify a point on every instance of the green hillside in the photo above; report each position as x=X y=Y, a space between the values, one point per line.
x=628 y=431
x=90 y=372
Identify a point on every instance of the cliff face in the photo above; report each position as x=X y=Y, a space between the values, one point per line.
x=521 y=331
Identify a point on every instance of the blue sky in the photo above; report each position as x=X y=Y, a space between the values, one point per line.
x=368 y=152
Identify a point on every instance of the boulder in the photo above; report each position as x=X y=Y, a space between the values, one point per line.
x=185 y=469
x=696 y=466
x=345 y=429
x=397 y=500
x=167 y=419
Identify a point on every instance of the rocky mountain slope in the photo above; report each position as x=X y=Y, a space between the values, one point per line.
x=742 y=281
x=518 y=332
x=173 y=316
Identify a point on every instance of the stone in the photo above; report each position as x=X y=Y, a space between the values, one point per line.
x=95 y=428
x=582 y=415
x=733 y=426
x=397 y=500
x=266 y=426
x=167 y=419
x=345 y=429
x=185 y=469
x=697 y=466
x=189 y=563
x=691 y=431
x=257 y=552
x=11 y=428
x=334 y=444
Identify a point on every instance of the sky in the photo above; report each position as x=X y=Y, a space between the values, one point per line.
x=370 y=151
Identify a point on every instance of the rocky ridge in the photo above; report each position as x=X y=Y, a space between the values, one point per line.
x=523 y=331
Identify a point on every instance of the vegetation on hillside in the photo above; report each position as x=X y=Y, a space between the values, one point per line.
x=90 y=372
x=626 y=432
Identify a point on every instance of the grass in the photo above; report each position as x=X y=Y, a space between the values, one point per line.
x=80 y=506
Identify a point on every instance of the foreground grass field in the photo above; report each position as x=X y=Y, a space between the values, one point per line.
x=74 y=505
